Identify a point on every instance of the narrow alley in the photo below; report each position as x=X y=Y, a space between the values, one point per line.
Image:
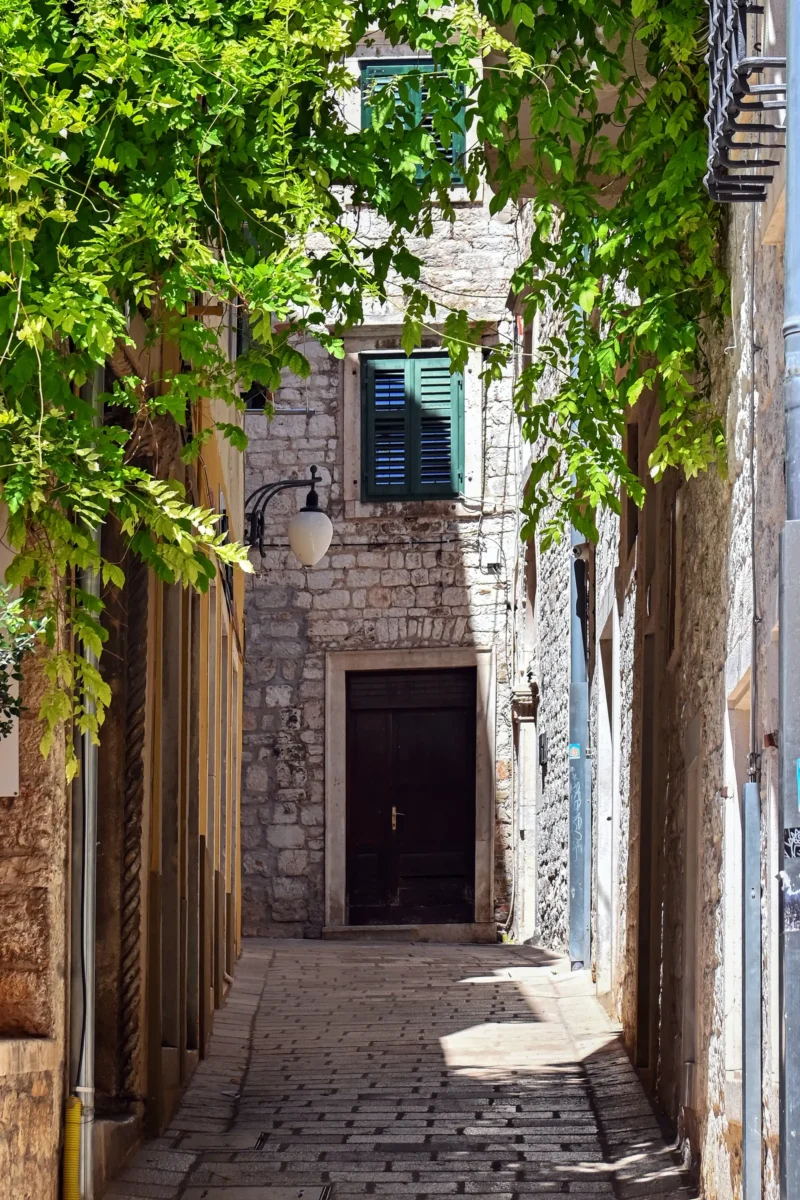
x=339 y=1070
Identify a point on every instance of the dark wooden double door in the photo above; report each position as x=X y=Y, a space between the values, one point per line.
x=411 y=796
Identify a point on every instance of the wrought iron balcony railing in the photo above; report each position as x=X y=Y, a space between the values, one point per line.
x=744 y=96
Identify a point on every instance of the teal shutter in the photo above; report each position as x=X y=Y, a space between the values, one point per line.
x=385 y=433
x=456 y=151
x=377 y=75
x=374 y=77
x=436 y=423
x=412 y=428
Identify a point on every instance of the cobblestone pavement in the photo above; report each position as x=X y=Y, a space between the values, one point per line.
x=407 y=1070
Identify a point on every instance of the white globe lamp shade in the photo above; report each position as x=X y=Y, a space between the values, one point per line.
x=310 y=533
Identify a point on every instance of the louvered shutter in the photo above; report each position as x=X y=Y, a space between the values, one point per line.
x=457 y=149
x=437 y=406
x=385 y=427
x=412 y=426
x=377 y=75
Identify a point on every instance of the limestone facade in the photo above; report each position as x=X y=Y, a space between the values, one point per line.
x=400 y=575
x=672 y=603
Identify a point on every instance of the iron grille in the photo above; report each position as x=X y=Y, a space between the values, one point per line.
x=742 y=97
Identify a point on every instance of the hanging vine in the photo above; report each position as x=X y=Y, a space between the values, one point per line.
x=596 y=109
x=154 y=151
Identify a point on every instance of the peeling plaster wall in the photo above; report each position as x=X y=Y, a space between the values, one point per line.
x=398 y=575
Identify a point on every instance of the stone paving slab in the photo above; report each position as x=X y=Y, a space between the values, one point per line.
x=255 y=1193
x=341 y=1070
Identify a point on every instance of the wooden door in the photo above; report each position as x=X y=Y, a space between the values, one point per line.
x=411 y=796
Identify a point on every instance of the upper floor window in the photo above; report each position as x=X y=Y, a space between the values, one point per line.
x=375 y=76
x=257 y=396
x=412 y=441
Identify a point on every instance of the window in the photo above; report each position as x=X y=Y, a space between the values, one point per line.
x=412 y=440
x=257 y=396
x=374 y=76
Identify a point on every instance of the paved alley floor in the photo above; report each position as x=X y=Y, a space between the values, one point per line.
x=339 y=1070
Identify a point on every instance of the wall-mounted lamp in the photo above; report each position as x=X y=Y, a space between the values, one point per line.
x=310 y=530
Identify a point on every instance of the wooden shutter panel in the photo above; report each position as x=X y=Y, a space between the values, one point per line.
x=437 y=421
x=385 y=467
x=375 y=75
x=455 y=152
x=412 y=428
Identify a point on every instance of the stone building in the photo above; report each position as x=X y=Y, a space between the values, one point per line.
x=353 y=663
x=385 y=672
x=168 y=916
x=682 y=599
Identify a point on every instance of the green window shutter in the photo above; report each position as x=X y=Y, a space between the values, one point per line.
x=377 y=75
x=412 y=428
x=385 y=432
x=437 y=418
x=457 y=149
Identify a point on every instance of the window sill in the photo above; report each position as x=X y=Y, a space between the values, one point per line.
x=459 y=197
x=409 y=509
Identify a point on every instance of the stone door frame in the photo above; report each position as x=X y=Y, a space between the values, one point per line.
x=337 y=665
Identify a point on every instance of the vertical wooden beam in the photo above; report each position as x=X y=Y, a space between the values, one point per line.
x=155 y=1088
x=193 y=837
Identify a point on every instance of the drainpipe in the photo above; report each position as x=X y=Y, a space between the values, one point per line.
x=84 y=1087
x=789 y=646
x=88 y=581
x=580 y=800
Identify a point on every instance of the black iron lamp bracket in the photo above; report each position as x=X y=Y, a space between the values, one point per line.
x=257 y=501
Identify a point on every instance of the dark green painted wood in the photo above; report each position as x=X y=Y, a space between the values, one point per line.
x=433 y=410
x=375 y=75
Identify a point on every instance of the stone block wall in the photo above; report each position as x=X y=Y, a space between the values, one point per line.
x=707 y=673
x=712 y=673
x=398 y=576
x=33 y=952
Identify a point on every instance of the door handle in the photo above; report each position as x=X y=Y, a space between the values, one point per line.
x=395 y=815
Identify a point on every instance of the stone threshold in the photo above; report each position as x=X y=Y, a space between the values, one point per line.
x=470 y=934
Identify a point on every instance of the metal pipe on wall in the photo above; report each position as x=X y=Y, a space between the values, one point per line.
x=580 y=778
x=789 y=644
x=751 y=987
x=88 y=581
x=752 y=1153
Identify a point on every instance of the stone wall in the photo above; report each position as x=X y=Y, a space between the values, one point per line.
x=552 y=824
x=398 y=575
x=715 y=660
x=33 y=875
x=697 y=686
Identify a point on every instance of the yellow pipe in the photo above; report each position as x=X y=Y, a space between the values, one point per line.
x=72 y=1149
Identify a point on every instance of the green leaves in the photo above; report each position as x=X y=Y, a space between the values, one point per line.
x=159 y=158
x=154 y=154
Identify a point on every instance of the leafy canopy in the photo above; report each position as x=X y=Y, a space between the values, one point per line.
x=155 y=154
x=598 y=114
x=158 y=156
